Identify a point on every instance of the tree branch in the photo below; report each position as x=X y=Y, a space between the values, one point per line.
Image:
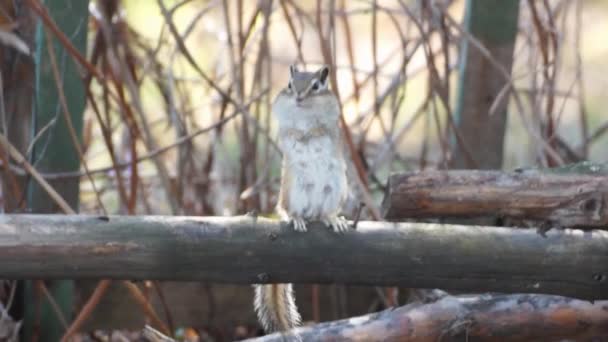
x=256 y=250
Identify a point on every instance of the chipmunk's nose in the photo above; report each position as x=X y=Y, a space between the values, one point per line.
x=299 y=98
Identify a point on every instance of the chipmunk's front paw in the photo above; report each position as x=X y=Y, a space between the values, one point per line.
x=299 y=225
x=337 y=223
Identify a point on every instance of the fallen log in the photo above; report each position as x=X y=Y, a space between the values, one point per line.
x=470 y=318
x=249 y=250
x=576 y=196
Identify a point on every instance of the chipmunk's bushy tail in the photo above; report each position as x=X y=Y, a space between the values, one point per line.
x=276 y=307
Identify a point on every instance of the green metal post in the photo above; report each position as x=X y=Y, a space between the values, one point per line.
x=54 y=151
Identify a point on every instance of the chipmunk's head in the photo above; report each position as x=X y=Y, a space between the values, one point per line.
x=304 y=86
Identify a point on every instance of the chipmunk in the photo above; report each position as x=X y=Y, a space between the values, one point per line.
x=313 y=176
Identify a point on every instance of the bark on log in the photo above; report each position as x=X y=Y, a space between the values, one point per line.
x=470 y=318
x=256 y=250
x=567 y=200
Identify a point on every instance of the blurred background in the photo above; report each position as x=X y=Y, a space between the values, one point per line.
x=139 y=107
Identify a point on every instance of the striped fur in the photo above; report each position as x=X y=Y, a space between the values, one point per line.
x=276 y=308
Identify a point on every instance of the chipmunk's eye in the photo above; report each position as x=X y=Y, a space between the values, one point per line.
x=315 y=86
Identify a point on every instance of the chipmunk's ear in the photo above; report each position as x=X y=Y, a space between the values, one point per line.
x=323 y=74
x=292 y=70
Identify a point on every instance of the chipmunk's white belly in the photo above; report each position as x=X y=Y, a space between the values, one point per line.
x=318 y=179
